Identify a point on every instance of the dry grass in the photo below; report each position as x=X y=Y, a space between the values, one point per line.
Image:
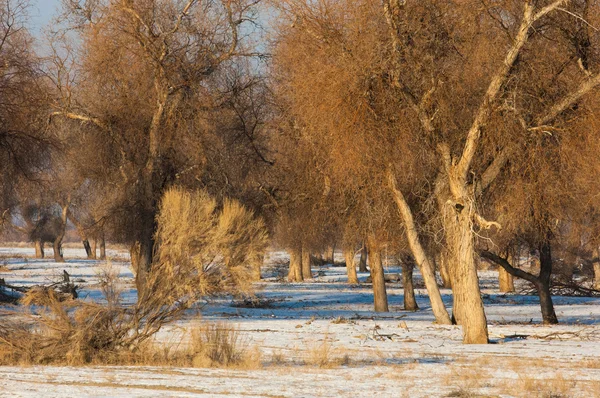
x=530 y=386
x=221 y=345
x=324 y=355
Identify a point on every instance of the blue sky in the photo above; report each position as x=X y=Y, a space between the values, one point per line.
x=42 y=11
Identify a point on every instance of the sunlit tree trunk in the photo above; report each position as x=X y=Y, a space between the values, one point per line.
x=39 y=249
x=468 y=305
x=377 y=276
x=596 y=262
x=350 y=264
x=95 y=248
x=295 y=272
x=421 y=258
x=57 y=244
x=506 y=280
x=442 y=263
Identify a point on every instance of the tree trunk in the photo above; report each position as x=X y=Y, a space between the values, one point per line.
x=543 y=286
x=506 y=281
x=257 y=269
x=57 y=248
x=377 y=277
x=102 y=247
x=57 y=244
x=306 y=269
x=362 y=265
x=295 y=272
x=468 y=305
x=39 y=249
x=350 y=265
x=410 y=303
x=330 y=255
x=425 y=266
x=144 y=250
x=596 y=262
x=444 y=271
x=95 y=248
x=88 y=249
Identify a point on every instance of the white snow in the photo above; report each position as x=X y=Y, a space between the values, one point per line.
x=394 y=354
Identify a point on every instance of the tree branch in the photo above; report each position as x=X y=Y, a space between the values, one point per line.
x=519 y=273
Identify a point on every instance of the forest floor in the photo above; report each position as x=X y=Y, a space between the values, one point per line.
x=321 y=339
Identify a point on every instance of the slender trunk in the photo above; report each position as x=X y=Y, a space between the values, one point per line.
x=257 y=268
x=39 y=249
x=425 y=266
x=306 y=270
x=330 y=254
x=57 y=248
x=362 y=264
x=88 y=249
x=295 y=272
x=444 y=271
x=57 y=244
x=410 y=303
x=350 y=265
x=377 y=277
x=506 y=281
x=144 y=249
x=95 y=248
x=596 y=261
x=543 y=286
x=468 y=305
x=102 y=247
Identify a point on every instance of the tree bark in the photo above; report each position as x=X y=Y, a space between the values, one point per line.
x=306 y=269
x=410 y=303
x=57 y=244
x=468 y=305
x=425 y=266
x=596 y=265
x=444 y=271
x=295 y=272
x=102 y=247
x=362 y=264
x=88 y=249
x=95 y=248
x=377 y=276
x=548 y=314
x=39 y=249
x=350 y=265
x=330 y=255
x=506 y=281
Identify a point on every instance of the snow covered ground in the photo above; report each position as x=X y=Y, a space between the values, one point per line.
x=380 y=355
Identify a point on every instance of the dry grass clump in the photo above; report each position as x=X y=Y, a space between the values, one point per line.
x=324 y=355
x=555 y=387
x=221 y=345
x=203 y=250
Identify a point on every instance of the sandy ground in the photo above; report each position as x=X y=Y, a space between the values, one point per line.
x=381 y=355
